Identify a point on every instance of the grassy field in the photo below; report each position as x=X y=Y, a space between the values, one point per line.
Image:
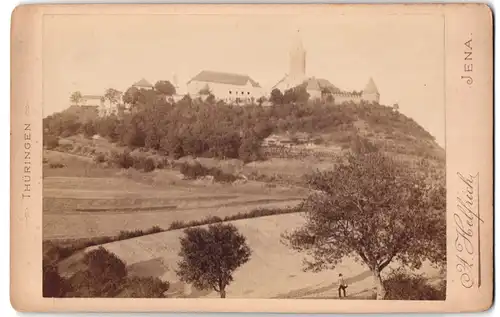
x=99 y=204
x=85 y=200
x=274 y=270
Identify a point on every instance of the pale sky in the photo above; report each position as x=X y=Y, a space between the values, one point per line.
x=403 y=54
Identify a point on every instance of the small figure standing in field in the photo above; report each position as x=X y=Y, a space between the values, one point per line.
x=342 y=285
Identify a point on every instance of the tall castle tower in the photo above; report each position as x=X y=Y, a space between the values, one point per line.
x=297 y=59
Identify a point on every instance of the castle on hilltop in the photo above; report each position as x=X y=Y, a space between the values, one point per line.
x=320 y=88
x=241 y=89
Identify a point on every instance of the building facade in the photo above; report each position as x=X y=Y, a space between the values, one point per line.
x=228 y=87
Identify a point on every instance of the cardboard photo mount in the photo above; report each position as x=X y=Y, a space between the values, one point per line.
x=468 y=86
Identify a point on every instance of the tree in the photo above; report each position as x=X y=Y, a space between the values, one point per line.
x=76 y=97
x=88 y=129
x=131 y=96
x=374 y=209
x=210 y=99
x=53 y=284
x=112 y=95
x=276 y=97
x=395 y=107
x=50 y=141
x=211 y=255
x=326 y=94
x=296 y=94
x=360 y=145
x=205 y=91
x=165 y=87
x=104 y=274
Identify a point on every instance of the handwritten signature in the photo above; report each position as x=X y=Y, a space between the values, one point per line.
x=467 y=222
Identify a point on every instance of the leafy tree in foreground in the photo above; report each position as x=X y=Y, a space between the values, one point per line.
x=105 y=273
x=211 y=255
x=373 y=209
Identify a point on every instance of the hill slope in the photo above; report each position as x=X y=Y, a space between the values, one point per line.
x=274 y=270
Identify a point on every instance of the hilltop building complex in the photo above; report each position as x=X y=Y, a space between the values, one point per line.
x=319 y=88
x=242 y=89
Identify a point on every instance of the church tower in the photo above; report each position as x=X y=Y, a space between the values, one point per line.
x=297 y=59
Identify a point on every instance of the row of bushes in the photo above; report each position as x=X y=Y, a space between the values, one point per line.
x=260 y=212
x=55 y=251
x=196 y=170
x=125 y=159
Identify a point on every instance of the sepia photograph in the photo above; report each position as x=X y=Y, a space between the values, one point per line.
x=248 y=157
x=251 y=158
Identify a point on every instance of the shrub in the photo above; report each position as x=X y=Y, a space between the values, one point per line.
x=176 y=225
x=221 y=177
x=85 y=150
x=122 y=160
x=56 y=165
x=193 y=171
x=53 y=284
x=149 y=165
x=155 y=229
x=123 y=235
x=196 y=170
x=213 y=219
x=144 y=287
x=403 y=286
x=104 y=274
x=100 y=158
x=163 y=163
x=67 y=147
x=50 y=141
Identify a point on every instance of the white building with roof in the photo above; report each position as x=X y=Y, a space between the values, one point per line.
x=319 y=88
x=92 y=101
x=229 y=87
x=143 y=84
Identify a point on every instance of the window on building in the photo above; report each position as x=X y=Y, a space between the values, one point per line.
x=242 y=92
x=230 y=92
x=248 y=93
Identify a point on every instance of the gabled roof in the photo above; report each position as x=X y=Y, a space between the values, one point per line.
x=143 y=83
x=370 y=87
x=224 y=78
x=319 y=84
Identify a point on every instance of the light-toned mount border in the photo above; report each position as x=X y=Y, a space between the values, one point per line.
x=469 y=150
